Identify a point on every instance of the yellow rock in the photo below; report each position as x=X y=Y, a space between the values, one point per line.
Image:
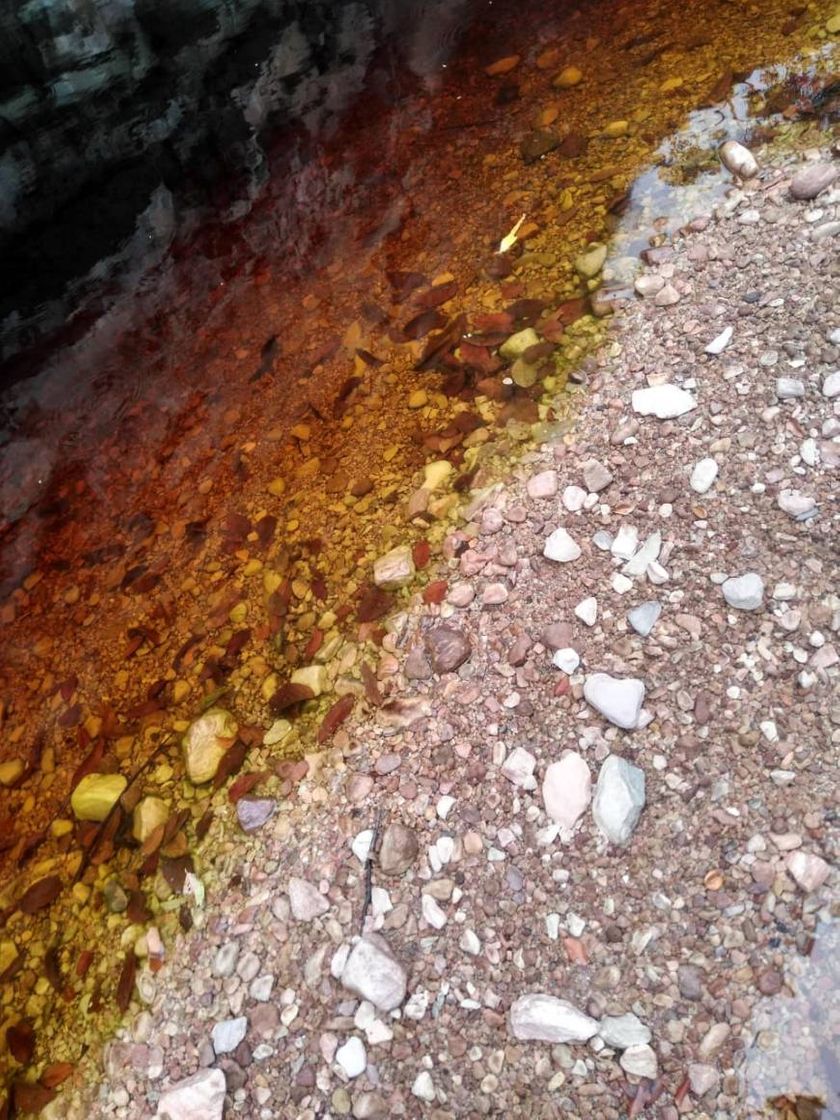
x=95 y=796
x=277 y=487
x=502 y=66
x=205 y=743
x=436 y=473
x=569 y=76
x=11 y=771
x=81 y=892
x=312 y=676
x=671 y=84
x=148 y=814
x=616 y=128
x=180 y=691
x=8 y=955
x=58 y=829
x=418 y=398
x=238 y=613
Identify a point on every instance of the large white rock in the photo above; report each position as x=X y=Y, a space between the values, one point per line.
x=394 y=569
x=640 y=1061
x=587 y=610
x=619 y=799
x=644 y=617
x=703 y=476
x=561 y=546
x=663 y=401
x=567 y=789
x=621 y=1031
x=744 y=593
x=618 y=699
x=200 y=1097
x=810 y=871
x=374 y=973
x=306 y=901
x=541 y=1018
x=149 y=814
x=96 y=795
x=205 y=743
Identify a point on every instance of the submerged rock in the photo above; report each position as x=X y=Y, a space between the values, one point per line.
x=205 y=743
x=738 y=159
x=96 y=795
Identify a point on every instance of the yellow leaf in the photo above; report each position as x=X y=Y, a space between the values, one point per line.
x=509 y=240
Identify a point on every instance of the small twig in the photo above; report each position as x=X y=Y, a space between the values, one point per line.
x=369 y=862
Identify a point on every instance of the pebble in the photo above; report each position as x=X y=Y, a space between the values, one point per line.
x=253 y=812
x=306 y=901
x=702 y=1078
x=623 y=1031
x=587 y=610
x=352 y=1058
x=590 y=263
x=644 y=617
x=738 y=159
x=432 y=912
x=744 y=593
x=224 y=963
x=667 y=296
x=666 y=402
x=561 y=547
x=721 y=341
x=448 y=648
x=808 y=870
x=618 y=699
x=812 y=180
x=398 y=849
x=516 y=344
x=423 y=1087
x=799 y=506
x=200 y=1097
x=569 y=76
x=227 y=1034
x=713 y=1040
x=519 y=767
x=566 y=660
x=639 y=1061
x=149 y=814
x=537 y=1017
x=703 y=475
x=573 y=498
x=374 y=973
x=567 y=789
x=395 y=569
x=597 y=477
x=96 y=795
x=831 y=385
x=205 y=743
x=619 y=799
x=789 y=388
x=542 y=485
x=649 y=284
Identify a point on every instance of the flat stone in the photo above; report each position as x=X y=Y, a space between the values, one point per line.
x=561 y=547
x=648 y=284
x=618 y=699
x=644 y=617
x=516 y=345
x=352 y=1058
x=557 y=635
x=789 y=388
x=831 y=385
x=648 y=554
x=542 y=485
x=227 y=1035
x=812 y=180
x=313 y=677
x=423 y=1087
x=574 y=498
x=667 y=296
x=518 y=768
x=200 y=1097
x=224 y=963
x=11 y=771
x=205 y=743
x=596 y=477
x=448 y=648
x=395 y=569
x=96 y=795
x=253 y=812
x=808 y=870
x=619 y=799
x=432 y=912
x=569 y=76
x=374 y=973
x=306 y=901
x=398 y=849
x=663 y=401
x=744 y=593
x=567 y=789
x=537 y=1017
x=703 y=475
x=713 y=1040
x=639 y=1061
x=622 y=1031
x=799 y=506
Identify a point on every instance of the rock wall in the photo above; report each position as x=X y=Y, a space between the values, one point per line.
x=117 y=115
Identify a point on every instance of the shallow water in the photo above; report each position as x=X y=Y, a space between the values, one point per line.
x=193 y=491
